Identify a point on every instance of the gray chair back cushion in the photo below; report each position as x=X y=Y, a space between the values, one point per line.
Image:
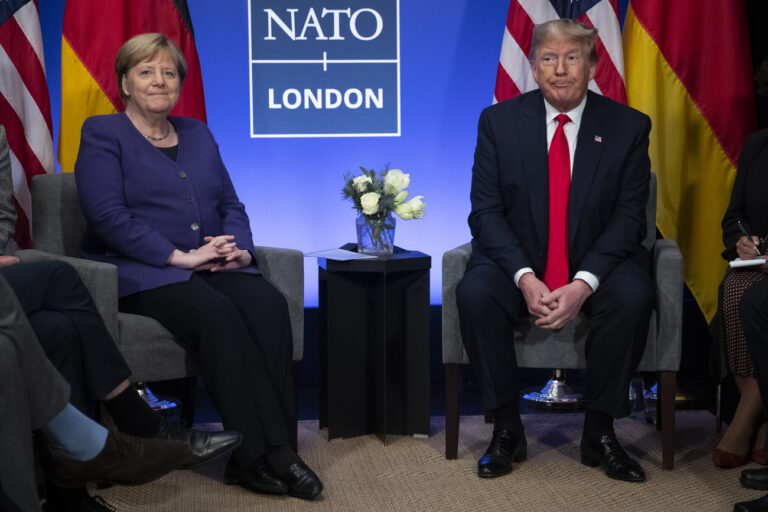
x=55 y=200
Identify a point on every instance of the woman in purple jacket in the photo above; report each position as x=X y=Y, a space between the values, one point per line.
x=161 y=207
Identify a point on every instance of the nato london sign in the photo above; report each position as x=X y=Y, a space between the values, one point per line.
x=324 y=68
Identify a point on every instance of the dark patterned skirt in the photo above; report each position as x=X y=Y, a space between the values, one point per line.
x=736 y=283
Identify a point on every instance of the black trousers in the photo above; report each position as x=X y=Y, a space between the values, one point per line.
x=619 y=313
x=70 y=329
x=239 y=326
x=754 y=319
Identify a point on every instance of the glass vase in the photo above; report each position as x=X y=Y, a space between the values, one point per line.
x=375 y=235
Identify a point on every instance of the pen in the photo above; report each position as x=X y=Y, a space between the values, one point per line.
x=745 y=231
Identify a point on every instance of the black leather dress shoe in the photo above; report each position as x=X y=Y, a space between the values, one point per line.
x=608 y=453
x=755 y=479
x=506 y=447
x=259 y=479
x=759 y=505
x=303 y=482
x=205 y=446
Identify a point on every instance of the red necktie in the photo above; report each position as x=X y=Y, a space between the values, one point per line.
x=556 y=273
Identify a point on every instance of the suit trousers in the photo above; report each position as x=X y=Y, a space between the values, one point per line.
x=70 y=329
x=32 y=393
x=239 y=326
x=753 y=310
x=619 y=313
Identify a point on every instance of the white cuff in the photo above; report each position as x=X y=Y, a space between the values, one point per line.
x=589 y=278
x=520 y=273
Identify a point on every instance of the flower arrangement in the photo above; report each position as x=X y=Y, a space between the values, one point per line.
x=376 y=196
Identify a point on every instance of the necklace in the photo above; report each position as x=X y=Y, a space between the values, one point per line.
x=158 y=139
x=153 y=139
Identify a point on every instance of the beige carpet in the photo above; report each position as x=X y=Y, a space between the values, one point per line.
x=409 y=474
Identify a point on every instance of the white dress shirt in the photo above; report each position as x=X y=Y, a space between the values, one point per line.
x=571 y=131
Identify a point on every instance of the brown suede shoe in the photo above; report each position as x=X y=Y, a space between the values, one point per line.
x=124 y=460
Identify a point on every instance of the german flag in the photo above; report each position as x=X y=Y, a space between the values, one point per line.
x=94 y=30
x=687 y=65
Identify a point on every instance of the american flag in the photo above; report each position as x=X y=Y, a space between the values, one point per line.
x=514 y=73
x=25 y=107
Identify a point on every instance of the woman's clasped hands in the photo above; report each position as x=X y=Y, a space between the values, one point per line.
x=228 y=256
x=219 y=253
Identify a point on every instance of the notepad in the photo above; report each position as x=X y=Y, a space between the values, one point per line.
x=738 y=262
x=338 y=255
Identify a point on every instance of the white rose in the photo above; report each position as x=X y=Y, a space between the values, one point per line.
x=370 y=203
x=360 y=182
x=417 y=207
x=401 y=196
x=403 y=211
x=413 y=209
x=395 y=181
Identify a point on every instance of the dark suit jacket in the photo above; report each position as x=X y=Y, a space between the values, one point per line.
x=748 y=194
x=140 y=205
x=510 y=192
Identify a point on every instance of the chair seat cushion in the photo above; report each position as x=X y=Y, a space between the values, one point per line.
x=153 y=354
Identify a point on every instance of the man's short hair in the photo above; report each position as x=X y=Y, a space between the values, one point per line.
x=568 y=29
x=146 y=46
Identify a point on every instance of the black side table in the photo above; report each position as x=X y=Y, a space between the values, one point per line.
x=374 y=345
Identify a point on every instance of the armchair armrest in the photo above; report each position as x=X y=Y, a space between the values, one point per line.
x=454 y=264
x=100 y=279
x=284 y=268
x=668 y=275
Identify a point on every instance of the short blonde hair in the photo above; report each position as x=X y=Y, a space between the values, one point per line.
x=146 y=46
x=568 y=29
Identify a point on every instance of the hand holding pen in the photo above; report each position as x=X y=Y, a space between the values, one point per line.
x=748 y=245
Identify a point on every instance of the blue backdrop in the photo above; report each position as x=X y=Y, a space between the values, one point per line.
x=449 y=51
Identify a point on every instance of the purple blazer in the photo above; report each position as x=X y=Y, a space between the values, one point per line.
x=140 y=205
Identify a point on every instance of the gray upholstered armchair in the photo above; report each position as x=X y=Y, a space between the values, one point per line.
x=149 y=349
x=541 y=348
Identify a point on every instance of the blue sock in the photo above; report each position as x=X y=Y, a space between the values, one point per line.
x=73 y=435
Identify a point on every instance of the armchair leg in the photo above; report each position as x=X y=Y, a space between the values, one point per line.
x=294 y=434
x=666 y=410
x=452 y=395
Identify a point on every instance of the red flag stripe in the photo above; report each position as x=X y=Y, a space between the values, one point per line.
x=23 y=233
x=25 y=60
x=607 y=77
x=520 y=26
x=615 y=5
x=17 y=140
x=505 y=86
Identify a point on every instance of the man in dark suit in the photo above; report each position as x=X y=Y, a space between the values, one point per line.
x=559 y=189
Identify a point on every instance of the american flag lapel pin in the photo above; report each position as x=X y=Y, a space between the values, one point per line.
x=598 y=138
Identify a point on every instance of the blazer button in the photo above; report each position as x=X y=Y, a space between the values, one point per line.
x=190 y=199
x=194 y=226
x=182 y=174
